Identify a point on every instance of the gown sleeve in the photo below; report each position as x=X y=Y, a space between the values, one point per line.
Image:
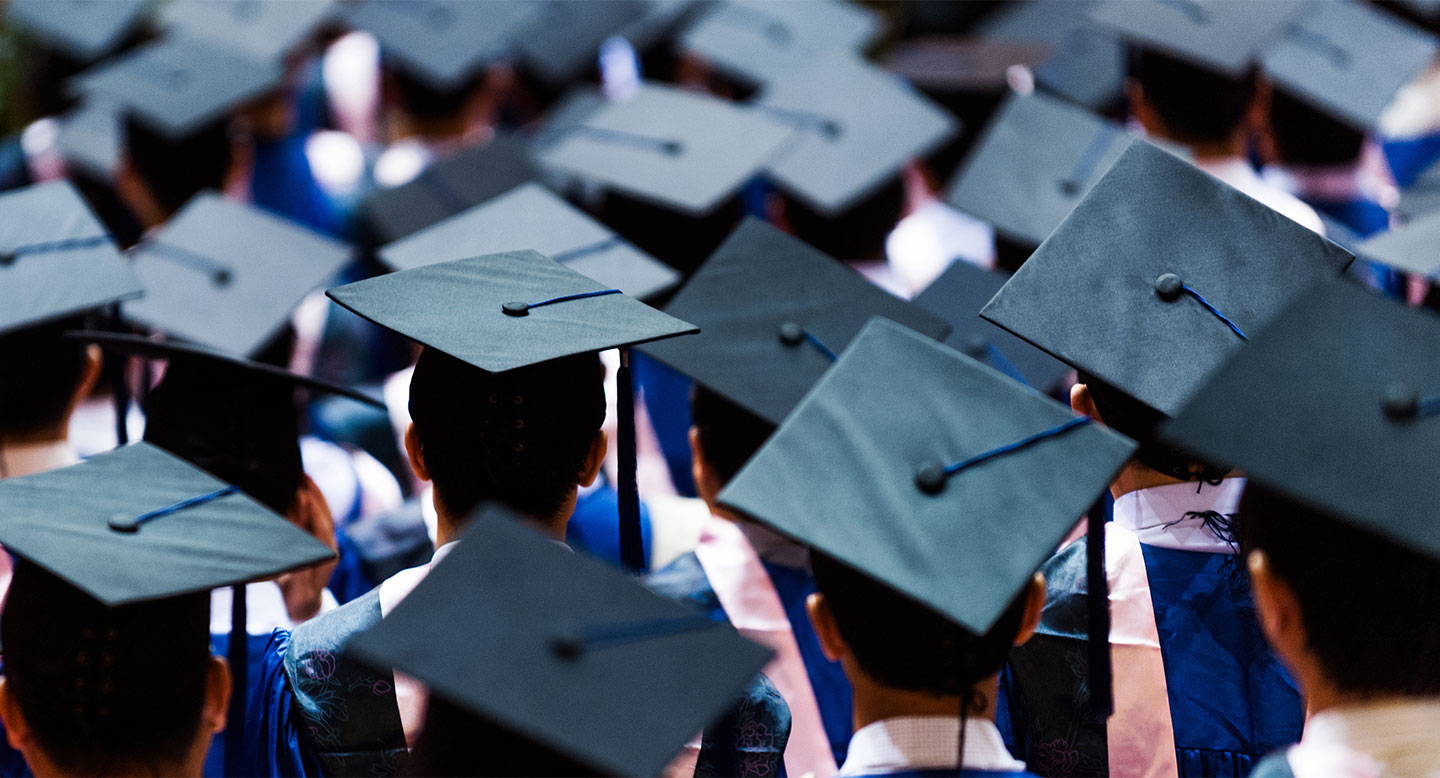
x=277 y=747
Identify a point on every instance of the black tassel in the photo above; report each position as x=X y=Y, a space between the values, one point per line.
x=632 y=542
x=1098 y=611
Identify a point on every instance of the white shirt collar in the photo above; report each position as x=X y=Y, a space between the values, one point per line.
x=1236 y=172
x=926 y=743
x=1157 y=515
x=1392 y=738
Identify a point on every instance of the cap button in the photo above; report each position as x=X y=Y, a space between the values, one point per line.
x=1401 y=402
x=121 y=522
x=513 y=308
x=791 y=333
x=221 y=278
x=1069 y=187
x=975 y=347
x=672 y=147
x=1168 y=287
x=930 y=478
x=566 y=647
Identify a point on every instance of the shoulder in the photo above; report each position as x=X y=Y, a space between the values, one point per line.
x=684 y=579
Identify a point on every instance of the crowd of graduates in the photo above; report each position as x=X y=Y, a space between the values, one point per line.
x=719 y=387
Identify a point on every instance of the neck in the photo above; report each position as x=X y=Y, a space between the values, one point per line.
x=1217 y=151
x=874 y=702
x=449 y=527
x=1135 y=476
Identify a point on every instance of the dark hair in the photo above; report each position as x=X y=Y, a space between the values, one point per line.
x=519 y=437
x=458 y=742
x=1141 y=423
x=859 y=232
x=105 y=690
x=1305 y=135
x=1371 y=608
x=729 y=434
x=41 y=371
x=1197 y=105
x=906 y=645
x=420 y=99
x=175 y=170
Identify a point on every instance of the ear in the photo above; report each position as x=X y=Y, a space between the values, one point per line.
x=1139 y=108
x=1257 y=116
x=1034 y=608
x=17 y=730
x=705 y=481
x=217 y=696
x=416 y=454
x=1081 y=402
x=776 y=214
x=89 y=375
x=1278 y=609
x=826 y=630
x=596 y=458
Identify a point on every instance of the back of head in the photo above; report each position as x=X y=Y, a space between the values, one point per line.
x=905 y=645
x=1306 y=136
x=857 y=234
x=1371 y=609
x=729 y=434
x=520 y=437
x=39 y=374
x=1195 y=104
x=457 y=742
x=1141 y=423
x=426 y=103
x=175 y=170
x=105 y=691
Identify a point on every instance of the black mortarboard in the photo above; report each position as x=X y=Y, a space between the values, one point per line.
x=84 y=29
x=773 y=312
x=267 y=29
x=138 y=524
x=1158 y=275
x=1332 y=405
x=933 y=496
x=756 y=41
x=563 y=43
x=1409 y=247
x=591 y=664
x=532 y=217
x=227 y=275
x=666 y=145
x=947 y=64
x=1086 y=63
x=1225 y=36
x=856 y=128
x=1348 y=59
x=92 y=140
x=178 y=85
x=445 y=42
x=465 y=179
x=56 y=259
x=957 y=297
x=504 y=311
x=1036 y=159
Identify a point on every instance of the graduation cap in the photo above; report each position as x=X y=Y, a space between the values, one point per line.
x=532 y=217
x=504 y=311
x=591 y=665
x=179 y=85
x=1086 y=63
x=1035 y=161
x=948 y=63
x=1348 y=59
x=265 y=29
x=1409 y=248
x=91 y=139
x=222 y=364
x=83 y=29
x=934 y=496
x=227 y=275
x=773 y=313
x=756 y=41
x=56 y=258
x=669 y=146
x=450 y=185
x=445 y=42
x=957 y=297
x=1332 y=405
x=1220 y=35
x=856 y=127
x=1158 y=276
x=562 y=44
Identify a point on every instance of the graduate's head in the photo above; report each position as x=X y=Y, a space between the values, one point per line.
x=42 y=378
x=1304 y=136
x=1189 y=104
x=855 y=235
x=723 y=437
x=1139 y=422
x=528 y=437
x=90 y=690
x=1353 y=616
x=891 y=643
x=159 y=174
x=456 y=741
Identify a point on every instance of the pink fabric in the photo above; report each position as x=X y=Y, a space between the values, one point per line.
x=750 y=600
x=1140 y=734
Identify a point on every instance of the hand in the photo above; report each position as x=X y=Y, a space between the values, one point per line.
x=303 y=589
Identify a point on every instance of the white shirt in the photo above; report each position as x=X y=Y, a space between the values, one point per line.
x=926 y=743
x=1393 y=738
x=17 y=459
x=1236 y=172
x=1157 y=515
